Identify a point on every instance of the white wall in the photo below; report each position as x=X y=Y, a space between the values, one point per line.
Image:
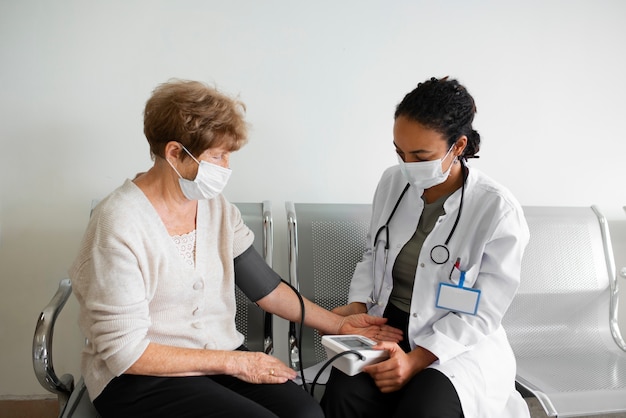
x=320 y=79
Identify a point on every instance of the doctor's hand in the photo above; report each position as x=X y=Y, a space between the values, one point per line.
x=350 y=309
x=370 y=326
x=392 y=374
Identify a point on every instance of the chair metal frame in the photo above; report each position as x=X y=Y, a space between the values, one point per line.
x=549 y=344
x=42 y=346
x=73 y=398
x=255 y=324
x=562 y=324
x=325 y=243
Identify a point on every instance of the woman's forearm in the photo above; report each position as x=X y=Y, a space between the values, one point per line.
x=162 y=360
x=284 y=302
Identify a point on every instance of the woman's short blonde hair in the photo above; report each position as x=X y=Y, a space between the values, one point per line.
x=194 y=114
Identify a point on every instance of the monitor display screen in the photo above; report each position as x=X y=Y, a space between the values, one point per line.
x=355 y=343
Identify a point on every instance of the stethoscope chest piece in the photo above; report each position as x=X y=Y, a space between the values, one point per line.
x=439 y=254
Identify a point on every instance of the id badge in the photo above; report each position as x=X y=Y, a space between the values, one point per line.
x=457 y=298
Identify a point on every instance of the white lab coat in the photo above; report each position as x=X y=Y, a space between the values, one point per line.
x=472 y=350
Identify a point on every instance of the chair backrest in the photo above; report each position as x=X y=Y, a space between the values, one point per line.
x=42 y=346
x=562 y=324
x=254 y=323
x=567 y=282
x=326 y=241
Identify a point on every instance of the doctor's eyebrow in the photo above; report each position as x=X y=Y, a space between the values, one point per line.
x=417 y=151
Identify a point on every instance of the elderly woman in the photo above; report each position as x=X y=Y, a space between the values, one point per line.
x=156 y=272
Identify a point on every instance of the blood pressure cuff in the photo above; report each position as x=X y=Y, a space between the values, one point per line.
x=253 y=276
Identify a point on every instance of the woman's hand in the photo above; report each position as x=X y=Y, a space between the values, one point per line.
x=256 y=367
x=370 y=326
x=392 y=374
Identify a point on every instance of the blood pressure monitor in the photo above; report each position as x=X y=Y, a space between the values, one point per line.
x=351 y=364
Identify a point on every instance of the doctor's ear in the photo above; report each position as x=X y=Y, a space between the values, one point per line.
x=459 y=146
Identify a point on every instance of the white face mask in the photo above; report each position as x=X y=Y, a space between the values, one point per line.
x=209 y=182
x=425 y=174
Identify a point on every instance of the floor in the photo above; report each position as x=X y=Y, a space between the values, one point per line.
x=49 y=409
x=30 y=408
x=536 y=411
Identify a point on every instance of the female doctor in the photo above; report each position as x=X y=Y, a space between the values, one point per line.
x=442 y=264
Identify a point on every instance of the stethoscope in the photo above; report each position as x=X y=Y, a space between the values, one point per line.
x=439 y=254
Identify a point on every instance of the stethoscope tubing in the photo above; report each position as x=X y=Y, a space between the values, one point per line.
x=439 y=254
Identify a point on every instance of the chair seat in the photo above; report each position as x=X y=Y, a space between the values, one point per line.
x=562 y=323
x=575 y=380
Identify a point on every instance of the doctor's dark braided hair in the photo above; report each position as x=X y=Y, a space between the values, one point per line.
x=445 y=106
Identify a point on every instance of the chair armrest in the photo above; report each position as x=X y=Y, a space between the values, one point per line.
x=292 y=229
x=42 y=346
x=294 y=334
x=268 y=233
x=268 y=254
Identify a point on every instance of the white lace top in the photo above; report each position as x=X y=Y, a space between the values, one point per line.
x=186 y=245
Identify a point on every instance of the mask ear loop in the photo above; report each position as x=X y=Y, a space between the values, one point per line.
x=187 y=151
x=454 y=160
x=172 y=165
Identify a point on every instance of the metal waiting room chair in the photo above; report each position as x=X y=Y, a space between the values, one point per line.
x=326 y=241
x=562 y=324
x=255 y=324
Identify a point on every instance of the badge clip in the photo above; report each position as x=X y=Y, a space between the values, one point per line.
x=457 y=298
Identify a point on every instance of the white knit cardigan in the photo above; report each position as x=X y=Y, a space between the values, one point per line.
x=134 y=288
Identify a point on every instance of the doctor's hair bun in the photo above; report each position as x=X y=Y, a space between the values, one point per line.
x=445 y=106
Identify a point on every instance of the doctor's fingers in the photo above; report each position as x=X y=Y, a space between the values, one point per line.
x=350 y=309
x=379 y=370
x=389 y=385
x=343 y=310
x=398 y=363
x=391 y=376
x=389 y=333
x=386 y=380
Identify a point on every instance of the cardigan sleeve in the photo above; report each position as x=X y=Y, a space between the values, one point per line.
x=112 y=292
x=243 y=237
